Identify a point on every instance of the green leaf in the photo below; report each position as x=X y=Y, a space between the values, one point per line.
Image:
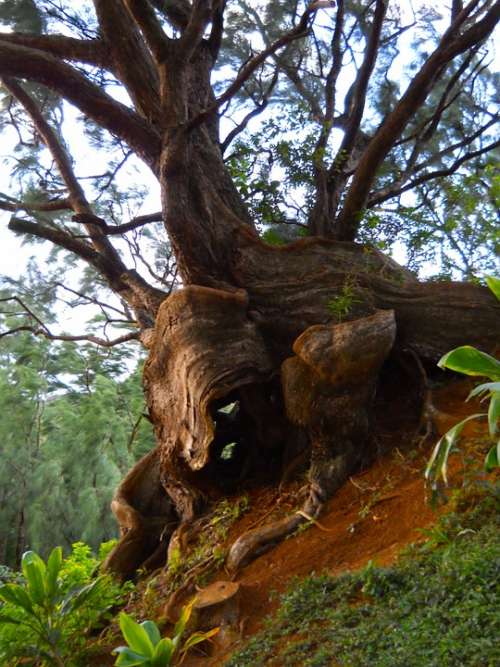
x=483 y=388
x=494 y=285
x=164 y=651
x=16 y=595
x=152 y=630
x=34 y=570
x=469 y=361
x=54 y=563
x=136 y=636
x=492 y=459
x=494 y=413
x=129 y=658
x=438 y=463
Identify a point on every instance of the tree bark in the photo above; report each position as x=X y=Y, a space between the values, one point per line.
x=269 y=342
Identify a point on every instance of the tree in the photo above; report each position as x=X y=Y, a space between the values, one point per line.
x=265 y=349
x=52 y=395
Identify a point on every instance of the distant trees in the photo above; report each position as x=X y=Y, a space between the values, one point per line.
x=71 y=425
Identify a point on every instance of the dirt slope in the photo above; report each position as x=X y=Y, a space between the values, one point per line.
x=373 y=517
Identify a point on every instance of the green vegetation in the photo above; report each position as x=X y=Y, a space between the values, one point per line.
x=47 y=613
x=146 y=646
x=437 y=607
x=342 y=304
x=469 y=361
x=72 y=426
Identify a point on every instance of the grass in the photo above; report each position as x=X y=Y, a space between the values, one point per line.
x=438 y=607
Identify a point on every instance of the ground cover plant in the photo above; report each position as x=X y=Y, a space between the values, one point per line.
x=437 y=607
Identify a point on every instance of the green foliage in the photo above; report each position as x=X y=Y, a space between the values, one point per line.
x=342 y=304
x=145 y=645
x=470 y=361
x=53 y=606
x=71 y=428
x=437 y=607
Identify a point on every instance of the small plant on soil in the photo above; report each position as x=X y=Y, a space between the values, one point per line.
x=146 y=647
x=470 y=361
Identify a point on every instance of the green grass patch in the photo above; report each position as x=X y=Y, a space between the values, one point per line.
x=437 y=607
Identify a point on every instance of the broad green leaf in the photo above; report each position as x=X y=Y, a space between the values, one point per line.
x=494 y=285
x=197 y=638
x=438 y=463
x=469 y=361
x=152 y=630
x=164 y=651
x=494 y=413
x=129 y=658
x=16 y=595
x=483 y=388
x=54 y=563
x=136 y=636
x=492 y=459
x=34 y=570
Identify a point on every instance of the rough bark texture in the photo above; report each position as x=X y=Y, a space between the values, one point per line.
x=294 y=375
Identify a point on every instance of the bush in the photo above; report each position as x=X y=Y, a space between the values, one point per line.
x=47 y=614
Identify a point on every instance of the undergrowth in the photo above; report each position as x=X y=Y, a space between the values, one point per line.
x=437 y=607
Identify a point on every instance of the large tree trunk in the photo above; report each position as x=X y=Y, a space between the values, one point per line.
x=297 y=378
x=252 y=352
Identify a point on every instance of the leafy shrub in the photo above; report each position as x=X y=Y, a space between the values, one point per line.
x=46 y=615
x=146 y=646
x=470 y=361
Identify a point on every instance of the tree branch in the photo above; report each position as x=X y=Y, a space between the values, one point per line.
x=77 y=197
x=11 y=204
x=139 y=221
x=384 y=195
x=88 y=51
x=103 y=342
x=23 y=62
x=360 y=88
x=298 y=31
x=144 y=16
x=451 y=45
x=130 y=60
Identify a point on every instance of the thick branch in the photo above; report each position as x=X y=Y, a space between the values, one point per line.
x=89 y=51
x=64 y=240
x=130 y=60
x=144 y=16
x=361 y=87
x=299 y=31
x=22 y=62
x=77 y=197
x=10 y=204
x=392 y=127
